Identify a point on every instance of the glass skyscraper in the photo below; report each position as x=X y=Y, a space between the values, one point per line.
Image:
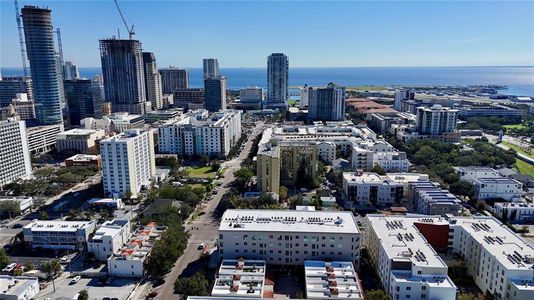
x=43 y=63
x=277 y=79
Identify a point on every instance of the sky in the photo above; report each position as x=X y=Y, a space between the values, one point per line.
x=312 y=33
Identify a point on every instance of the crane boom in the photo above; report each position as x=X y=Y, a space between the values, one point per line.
x=21 y=39
x=129 y=29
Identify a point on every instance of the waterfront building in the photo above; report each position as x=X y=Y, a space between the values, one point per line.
x=210 y=67
x=46 y=80
x=128 y=162
x=277 y=80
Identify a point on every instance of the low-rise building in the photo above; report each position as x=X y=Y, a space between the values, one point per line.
x=335 y=279
x=370 y=190
x=84 y=160
x=109 y=238
x=18 y=287
x=241 y=278
x=117 y=122
x=498 y=187
x=471 y=173
x=130 y=259
x=493 y=110
x=408 y=266
x=522 y=213
x=114 y=203
x=42 y=139
x=68 y=235
x=429 y=199
x=79 y=141
x=289 y=237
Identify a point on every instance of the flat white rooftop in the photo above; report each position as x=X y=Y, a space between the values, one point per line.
x=60 y=226
x=288 y=221
x=336 y=279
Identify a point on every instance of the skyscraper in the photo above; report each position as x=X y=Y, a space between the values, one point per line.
x=14 y=151
x=172 y=79
x=124 y=78
x=44 y=64
x=70 y=71
x=211 y=67
x=83 y=99
x=152 y=80
x=215 y=93
x=435 y=120
x=277 y=79
x=327 y=104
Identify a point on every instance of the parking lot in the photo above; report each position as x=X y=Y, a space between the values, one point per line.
x=119 y=288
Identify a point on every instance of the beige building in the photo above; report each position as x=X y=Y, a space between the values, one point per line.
x=79 y=141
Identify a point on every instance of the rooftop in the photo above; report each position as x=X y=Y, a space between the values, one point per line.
x=84 y=157
x=109 y=228
x=15 y=285
x=79 y=132
x=39 y=225
x=336 y=279
x=240 y=277
x=288 y=221
x=141 y=243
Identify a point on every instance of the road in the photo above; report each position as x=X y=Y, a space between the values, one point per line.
x=205 y=226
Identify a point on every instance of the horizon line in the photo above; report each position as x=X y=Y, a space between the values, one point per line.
x=338 y=67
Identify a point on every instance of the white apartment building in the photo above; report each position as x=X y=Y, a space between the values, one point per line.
x=514 y=212
x=289 y=237
x=42 y=139
x=78 y=141
x=429 y=199
x=109 y=238
x=68 y=235
x=498 y=187
x=18 y=287
x=327 y=151
x=369 y=190
x=391 y=161
x=14 y=151
x=407 y=265
x=128 y=162
x=499 y=261
x=471 y=173
x=200 y=133
x=241 y=278
x=130 y=259
x=435 y=120
x=24 y=202
x=336 y=279
x=117 y=122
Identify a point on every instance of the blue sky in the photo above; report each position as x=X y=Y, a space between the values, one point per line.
x=311 y=33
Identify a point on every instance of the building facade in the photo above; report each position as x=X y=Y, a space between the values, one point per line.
x=172 y=79
x=109 y=238
x=186 y=98
x=67 y=235
x=42 y=139
x=215 y=93
x=14 y=151
x=210 y=67
x=326 y=104
x=435 y=120
x=128 y=162
x=46 y=80
x=70 y=71
x=83 y=99
x=152 y=80
x=124 y=76
x=277 y=79
x=83 y=141
x=12 y=85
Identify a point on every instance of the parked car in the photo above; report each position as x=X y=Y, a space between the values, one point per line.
x=9 y=267
x=75 y=279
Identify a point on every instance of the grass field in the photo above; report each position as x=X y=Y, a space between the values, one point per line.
x=524 y=168
x=519 y=149
x=514 y=126
x=203 y=172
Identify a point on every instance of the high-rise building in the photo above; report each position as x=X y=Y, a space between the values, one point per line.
x=14 y=152
x=124 y=78
x=23 y=107
x=400 y=96
x=327 y=104
x=11 y=86
x=172 y=79
x=251 y=95
x=304 y=96
x=70 y=71
x=188 y=97
x=83 y=99
x=128 y=162
x=215 y=93
x=211 y=67
x=44 y=64
x=277 y=79
x=152 y=80
x=435 y=120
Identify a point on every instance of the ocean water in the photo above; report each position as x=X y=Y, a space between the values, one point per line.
x=519 y=80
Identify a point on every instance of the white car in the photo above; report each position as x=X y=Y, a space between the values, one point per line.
x=75 y=279
x=9 y=267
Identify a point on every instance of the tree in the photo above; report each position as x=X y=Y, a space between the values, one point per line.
x=51 y=268
x=4 y=259
x=376 y=295
x=242 y=178
x=196 y=285
x=378 y=170
x=282 y=192
x=204 y=160
x=29 y=266
x=462 y=188
x=466 y=296
x=481 y=206
x=10 y=208
x=83 y=295
x=43 y=215
x=215 y=166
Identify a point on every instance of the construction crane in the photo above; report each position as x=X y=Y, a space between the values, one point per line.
x=21 y=39
x=129 y=29
x=60 y=51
